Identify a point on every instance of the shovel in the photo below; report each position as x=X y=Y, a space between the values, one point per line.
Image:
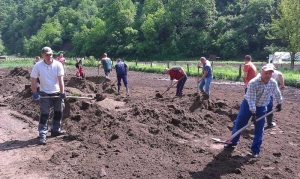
x=74 y=97
x=228 y=141
x=158 y=95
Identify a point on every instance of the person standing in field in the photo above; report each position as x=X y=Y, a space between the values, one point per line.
x=37 y=59
x=276 y=75
x=50 y=73
x=254 y=105
x=122 y=70
x=62 y=60
x=249 y=71
x=207 y=76
x=106 y=63
x=178 y=74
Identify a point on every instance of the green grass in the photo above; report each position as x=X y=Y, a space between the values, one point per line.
x=226 y=70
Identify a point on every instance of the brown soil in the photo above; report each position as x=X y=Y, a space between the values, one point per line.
x=141 y=135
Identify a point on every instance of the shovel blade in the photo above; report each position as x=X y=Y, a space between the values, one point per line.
x=224 y=141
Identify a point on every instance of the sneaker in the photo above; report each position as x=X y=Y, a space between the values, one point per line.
x=254 y=155
x=42 y=141
x=229 y=146
x=58 y=133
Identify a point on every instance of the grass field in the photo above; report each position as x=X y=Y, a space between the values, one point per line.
x=227 y=70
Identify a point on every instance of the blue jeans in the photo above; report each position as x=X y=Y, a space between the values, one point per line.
x=124 y=78
x=107 y=72
x=242 y=120
x=45 y=105
x=270 y=105
x=180 y=85
x=205 y=82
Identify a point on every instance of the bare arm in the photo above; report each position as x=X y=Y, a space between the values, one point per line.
x=204 y=75
x=245 y=75
x=281 y=81
x=61 y=84
x=33 y=84
x=171 y=82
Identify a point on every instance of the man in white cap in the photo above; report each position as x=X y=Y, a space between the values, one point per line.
x=254 y=106
x=50 y=72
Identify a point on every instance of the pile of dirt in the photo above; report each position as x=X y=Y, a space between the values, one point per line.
x=19 y=72
x=142 y=136
x=14 y=82
x=92 y=84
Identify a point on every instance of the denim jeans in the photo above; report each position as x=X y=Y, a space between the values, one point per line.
x=270 y=105
x=124 y=78
x=205 y=82
x=242 y=119
x=107 y=72
x=45 y=105
x=180 y=85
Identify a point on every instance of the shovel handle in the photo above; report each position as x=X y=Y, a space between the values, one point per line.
x=174 y=84
x=74 y=97
x=249 y=124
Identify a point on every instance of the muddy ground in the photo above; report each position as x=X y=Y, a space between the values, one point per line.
x=140 y=135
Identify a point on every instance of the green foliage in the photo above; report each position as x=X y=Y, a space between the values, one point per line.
x=286 y=25
x=147 y=28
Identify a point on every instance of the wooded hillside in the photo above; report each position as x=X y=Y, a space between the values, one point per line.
x=140 y=28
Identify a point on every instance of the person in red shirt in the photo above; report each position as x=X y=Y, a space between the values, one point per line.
x=62 y=60
x=178 y=74
x=249 y=71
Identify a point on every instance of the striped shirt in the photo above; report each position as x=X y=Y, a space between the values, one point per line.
x=258 y=93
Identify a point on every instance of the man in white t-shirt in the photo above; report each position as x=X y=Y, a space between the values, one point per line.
x=50 y=73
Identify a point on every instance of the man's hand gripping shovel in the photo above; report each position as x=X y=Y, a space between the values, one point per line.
x=228 y=141
x=158 y=95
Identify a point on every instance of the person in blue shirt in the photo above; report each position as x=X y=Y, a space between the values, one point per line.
x=106 y=63
x=206 y=78
x=121 y=70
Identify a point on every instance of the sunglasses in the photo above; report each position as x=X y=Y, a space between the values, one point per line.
x=48 y=54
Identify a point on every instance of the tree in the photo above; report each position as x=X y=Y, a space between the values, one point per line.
x=286 y=26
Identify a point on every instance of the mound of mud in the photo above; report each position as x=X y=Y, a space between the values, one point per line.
x=93 y=84
x=14 y=82
x=116 y=124
x=19 y=72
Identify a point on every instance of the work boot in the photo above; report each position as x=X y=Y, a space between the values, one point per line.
x=58 y=133
x=127 y=90
x=118 y=89
x=205 y=96
x=270 y=122
x=42 y=141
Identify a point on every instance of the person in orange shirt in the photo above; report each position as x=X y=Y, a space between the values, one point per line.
x=249 y=70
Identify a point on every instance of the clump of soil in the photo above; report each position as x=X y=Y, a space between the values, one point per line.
x=158 y=95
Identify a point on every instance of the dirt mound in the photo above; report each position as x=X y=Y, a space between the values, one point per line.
x=14 y=82
x=141 y=136
x=96 y=84
x=19 y=72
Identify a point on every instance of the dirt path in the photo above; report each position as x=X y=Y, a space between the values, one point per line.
x=19 y=150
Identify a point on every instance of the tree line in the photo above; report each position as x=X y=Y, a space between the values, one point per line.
x=150 y=28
